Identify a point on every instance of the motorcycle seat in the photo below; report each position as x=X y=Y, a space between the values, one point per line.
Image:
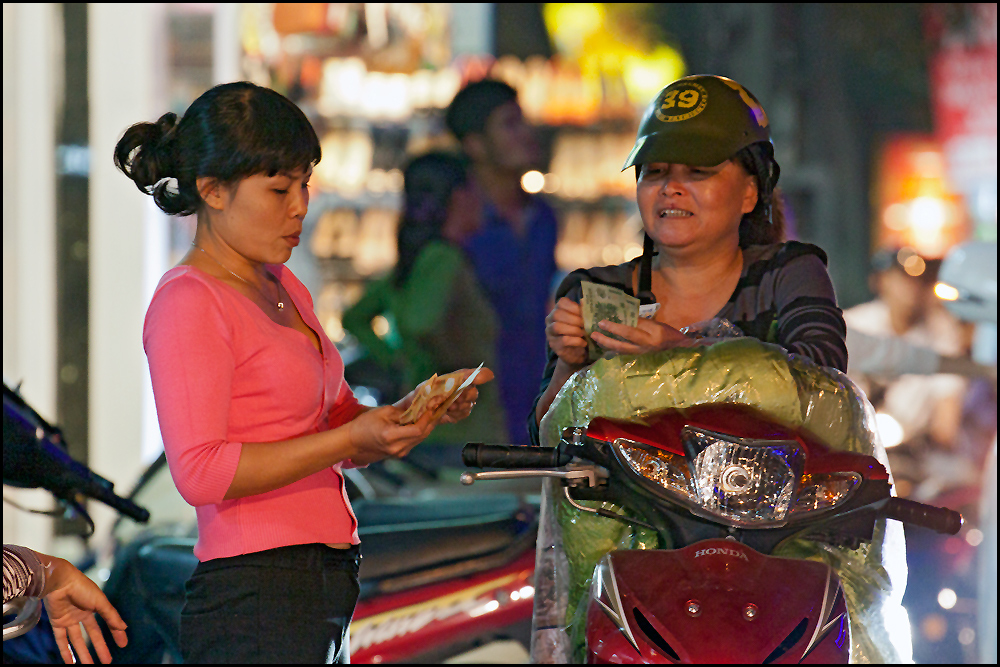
x=406 y=544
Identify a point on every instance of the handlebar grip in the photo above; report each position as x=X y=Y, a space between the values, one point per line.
x=479 y=455
x=122 y=505
x=940 y=519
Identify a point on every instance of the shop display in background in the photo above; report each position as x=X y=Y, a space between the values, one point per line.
x=375 y=79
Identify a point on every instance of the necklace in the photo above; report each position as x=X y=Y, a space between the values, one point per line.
x=279 y=304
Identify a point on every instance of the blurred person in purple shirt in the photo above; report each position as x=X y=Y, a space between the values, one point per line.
x=513 y=250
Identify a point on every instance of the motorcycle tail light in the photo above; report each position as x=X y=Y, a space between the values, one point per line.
x=749 y=482
x=666 y=469
x=824 y=490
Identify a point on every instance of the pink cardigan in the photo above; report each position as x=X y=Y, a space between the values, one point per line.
x=224 y=373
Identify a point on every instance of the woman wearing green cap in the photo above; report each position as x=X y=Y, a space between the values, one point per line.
x=714 y=244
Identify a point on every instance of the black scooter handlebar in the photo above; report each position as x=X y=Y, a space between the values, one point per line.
x=479 y=455
x=940 y=519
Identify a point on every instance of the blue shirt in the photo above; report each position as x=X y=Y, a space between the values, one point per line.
x=516 y=272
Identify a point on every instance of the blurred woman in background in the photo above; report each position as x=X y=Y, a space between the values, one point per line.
x=440 y=313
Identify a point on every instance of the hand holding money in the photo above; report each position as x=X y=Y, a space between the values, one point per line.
x=447 y=397
x=647 y=336
x=603 y=302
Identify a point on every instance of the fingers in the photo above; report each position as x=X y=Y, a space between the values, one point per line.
x=568 y=305
x=485 y=375
x=97 y=639
x=63 y=643
x=646 y=337
x=615 y=345
x=80 y=644
x=114 y=621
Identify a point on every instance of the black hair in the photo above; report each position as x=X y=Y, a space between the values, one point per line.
x=230 y=132
x=472 y=105
x=765 y=224
x=428 y=183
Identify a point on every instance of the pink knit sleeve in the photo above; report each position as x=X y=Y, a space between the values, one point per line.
x=189 y=345
x=344 y=410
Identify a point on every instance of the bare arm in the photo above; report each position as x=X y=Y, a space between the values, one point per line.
x=563 y=371
x=371 y=436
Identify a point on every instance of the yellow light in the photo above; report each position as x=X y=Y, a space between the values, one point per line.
x=928 y=214
x=889 y=430
x=380 y=326
x=914 y=265
x=570 y=23
x=945 y=292
x=632 y=251
x=646 y=75
x=533 y=182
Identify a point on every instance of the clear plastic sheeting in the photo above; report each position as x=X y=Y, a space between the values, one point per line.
x=794 y=392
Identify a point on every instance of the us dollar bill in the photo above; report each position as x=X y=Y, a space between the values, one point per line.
x=602 y=302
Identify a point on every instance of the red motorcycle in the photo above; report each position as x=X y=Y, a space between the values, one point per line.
x=722 y=485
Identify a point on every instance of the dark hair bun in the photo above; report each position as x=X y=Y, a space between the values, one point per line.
x=145 y=154
x=230 y=132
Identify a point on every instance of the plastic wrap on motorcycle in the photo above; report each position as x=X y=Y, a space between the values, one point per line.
x=793 y=392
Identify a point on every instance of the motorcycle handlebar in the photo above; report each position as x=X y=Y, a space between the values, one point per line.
x=940 y=519
x=479 y=455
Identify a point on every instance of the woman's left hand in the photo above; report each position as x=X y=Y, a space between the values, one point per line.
x=647 y=336
x=462 y=407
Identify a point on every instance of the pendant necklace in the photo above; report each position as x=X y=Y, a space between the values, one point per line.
x=279 y=304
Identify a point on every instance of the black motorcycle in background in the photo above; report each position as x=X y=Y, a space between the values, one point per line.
x=35 y=456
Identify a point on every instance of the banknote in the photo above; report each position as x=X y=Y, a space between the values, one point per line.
x=602 y=302
x=446 y=387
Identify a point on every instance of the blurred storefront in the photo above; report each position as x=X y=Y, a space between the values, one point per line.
x=375 y=80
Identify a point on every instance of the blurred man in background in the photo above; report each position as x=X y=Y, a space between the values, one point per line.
x=927 y=408
x=513 y=250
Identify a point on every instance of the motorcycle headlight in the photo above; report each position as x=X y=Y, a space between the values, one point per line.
x=747 y=482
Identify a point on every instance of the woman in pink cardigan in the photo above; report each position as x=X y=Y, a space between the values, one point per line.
x=256 y=418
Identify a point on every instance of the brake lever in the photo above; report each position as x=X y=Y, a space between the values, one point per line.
x=572 y=476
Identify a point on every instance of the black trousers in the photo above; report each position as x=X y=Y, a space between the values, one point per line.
x=286 y=605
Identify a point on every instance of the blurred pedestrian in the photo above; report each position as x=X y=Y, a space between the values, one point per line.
x=513 y=249
x=70 y=600
x=927 y=407
x=443 y=318
x=257 y=420
x=905 y=307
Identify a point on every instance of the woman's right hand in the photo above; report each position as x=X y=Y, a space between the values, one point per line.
x=377 y=434
x=565 y=334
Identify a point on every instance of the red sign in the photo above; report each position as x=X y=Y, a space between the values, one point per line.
x=964 y=95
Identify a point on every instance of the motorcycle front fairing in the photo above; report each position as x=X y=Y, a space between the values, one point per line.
x=716 y=601
x=790 y=391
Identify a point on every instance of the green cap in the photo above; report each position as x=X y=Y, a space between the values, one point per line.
x=700 y=120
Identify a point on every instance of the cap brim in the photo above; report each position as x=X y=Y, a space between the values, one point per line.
x=699 y=150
